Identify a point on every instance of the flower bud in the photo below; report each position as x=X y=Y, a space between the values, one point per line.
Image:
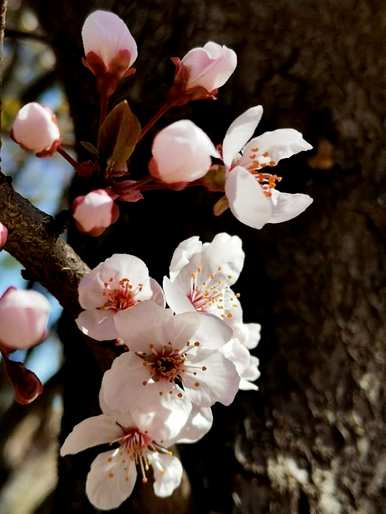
x=23 y=318
x=209 y=67
x=35 y=129
x=3 y=235
x=181 y=153
x=94 y=212
x=109 y=47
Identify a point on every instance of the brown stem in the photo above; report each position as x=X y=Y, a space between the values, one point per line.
x=103 y=105
x=67 y=156
x=158 y=115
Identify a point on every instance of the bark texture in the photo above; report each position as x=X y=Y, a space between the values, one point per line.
x=312 y=440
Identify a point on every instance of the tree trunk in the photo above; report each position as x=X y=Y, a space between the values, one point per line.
x=312 y=439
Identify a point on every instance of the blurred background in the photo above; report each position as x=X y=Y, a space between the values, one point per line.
x=312 y=440
x=28 y=435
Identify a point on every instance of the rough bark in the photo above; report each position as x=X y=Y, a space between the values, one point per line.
x=312 y=439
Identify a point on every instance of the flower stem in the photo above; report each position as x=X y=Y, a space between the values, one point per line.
x=103 y=105
x=158 y=115
x=67 y=156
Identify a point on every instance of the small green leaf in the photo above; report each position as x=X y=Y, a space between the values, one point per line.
x=90 y=148
x=118 y=136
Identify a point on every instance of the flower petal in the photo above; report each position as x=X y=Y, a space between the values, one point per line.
x=111 y=479
x=287 y=206
x=277 y=144
x=91 y=432
x=176 y=297
x=182 y=254
x=247 y=333
x=140 y=324
x=199 y=423
x=219 y=380
x=167 y=473
x=98 y=324
x=239 y=132
x=247 y=200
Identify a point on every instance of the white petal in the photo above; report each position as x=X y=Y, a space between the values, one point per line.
x=138 y=324
x=240 y=131
x=91 y=432
x=247 y=200
x=219 y=380
x=182 y=254
x=106 y=34
x=212 y=333
x=247 y=333
x=98 y=324
x=176 y=297
x=287 y=206
x=182 y=328
x=224 y=254
x=199 y=423
x=238 y=354
x=167 y=473
x=158 y=295
x=279 y=144
x=111 y=479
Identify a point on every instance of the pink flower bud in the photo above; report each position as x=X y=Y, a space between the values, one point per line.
x=35 y=129
x=109 y=47
x=94 y=212
x=181 y=153
x=209 y=67
x=23 y=318
x=3 y=235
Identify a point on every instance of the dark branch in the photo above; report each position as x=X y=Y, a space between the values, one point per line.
x=33 y=240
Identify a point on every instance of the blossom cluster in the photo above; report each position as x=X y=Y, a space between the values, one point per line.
x=184 y=346
x=177 y=362
x=182 y=155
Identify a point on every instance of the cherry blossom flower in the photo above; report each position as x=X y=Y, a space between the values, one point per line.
x=116 y=285
x=3 y=235
x=35 y=129
x=141 y=445
x=23 y=318
x=181 y=153
x=201 y=276
x=251 y=193
x=95 y=212
x=109 y=47
x=247 y=365
x=173 y=359
x=209 y=67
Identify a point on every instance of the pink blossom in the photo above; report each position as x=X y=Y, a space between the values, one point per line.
x=35 y=129
x=23 y=318
x=95 y=212
x=3 y=235
x=181 y=153
x=251 y=190
x=116 y=285
x=109 y=47
x=141 y=443
x=173 y=359
x=209 y=67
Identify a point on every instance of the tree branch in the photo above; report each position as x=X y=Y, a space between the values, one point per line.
x=33 y=240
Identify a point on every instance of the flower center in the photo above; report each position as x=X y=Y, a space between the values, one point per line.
x=266 y=180
x=209 y=292
x=138 y=445
x=164 y=364
x=121 y=297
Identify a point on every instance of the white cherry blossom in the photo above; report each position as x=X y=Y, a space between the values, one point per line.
x=116 y=285
x=106 y=35
x=95 y=212
x=35 y=129
x=201 y=275
x=181 y=153
x=247 y=365
x=209 y=66
x=174 y=359
x=3 y=235
x=23 y=318
x=251 y=192
x=140 y=445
